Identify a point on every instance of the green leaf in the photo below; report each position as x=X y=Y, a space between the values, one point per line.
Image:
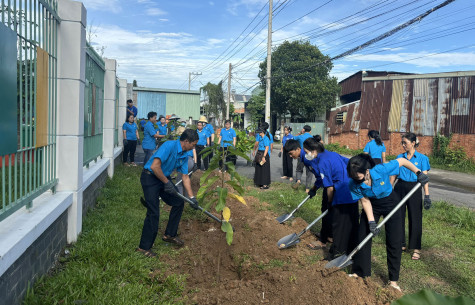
x=228 y=228
x=204 y=187
x=222 y=195
x=428 y=297
x=205 y=176
x=229 y=237
x=236 y=186
x=238 y=153
x=207 y=149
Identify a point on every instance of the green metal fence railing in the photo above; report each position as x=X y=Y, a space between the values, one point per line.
x=93 y=106
x=28 y=39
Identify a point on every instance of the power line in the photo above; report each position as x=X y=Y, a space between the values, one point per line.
x=302 y=16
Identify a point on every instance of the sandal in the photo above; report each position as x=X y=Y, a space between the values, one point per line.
x=404 y=249
x=353 y=275
x=147 y=253
x=316 y=245
x=173 y=240
x=291 y=179
x=133 y=164
x=284 y=177
x=395 y=286
x=416 y=255
x=264 y=187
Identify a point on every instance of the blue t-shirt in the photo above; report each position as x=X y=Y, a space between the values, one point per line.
x=380 y=185
x=209 y=129
x=162 y=129
x=267 y=136
x=286 y=138
x=142 y=123
x=203 y=136
x=332 y=167
x=263 y=142
x=374 y=150
x=313 y=166
x=172 y=157
x=148 y=136
x=302 y=138
x=419 y=160
x=133 y=109
x=227 y=135
x=130 y=131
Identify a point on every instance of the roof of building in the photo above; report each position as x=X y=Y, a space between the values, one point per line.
x=166 y=90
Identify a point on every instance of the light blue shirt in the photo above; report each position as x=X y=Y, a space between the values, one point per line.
x=172 y=157
x=267 y=136
x=130 y=131
x=287 y=137
x=209 y=129
x=380 y=185
x=419 y=160
x=263 y=143
x=203 y=136
x=302 y=138
x=374 y=150
x=227 y=135
x=162 y=129
x=148 y=136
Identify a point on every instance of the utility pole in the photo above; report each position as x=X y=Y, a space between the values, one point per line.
x=269 y=66
x=189 y=78
x=229 y=91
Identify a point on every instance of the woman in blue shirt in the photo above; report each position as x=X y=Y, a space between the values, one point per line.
x=375 y=148
x=407 y=180
x=370 y=184
x=131 y=135
x=227 y=138
x=149 y=136
x=287 y=165
x=262 y=167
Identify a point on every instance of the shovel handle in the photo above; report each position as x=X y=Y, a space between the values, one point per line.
x=203 y=210
x=300 y=204
x=398 y=206
x=313 y=223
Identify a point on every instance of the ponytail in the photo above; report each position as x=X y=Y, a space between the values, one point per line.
x=317 y=138
x=374 y=134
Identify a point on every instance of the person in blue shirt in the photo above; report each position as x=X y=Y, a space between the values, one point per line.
x=162 y=130
x=203 y=141
x=407 y=180
x=301 y=137
x=227 y=138
x=371 y=185
x=149 y=136
x=262 y=162
x=287 y=164
x=375 y=148
x=209 y=129
x=156 y=184
x=131 y=136
x=131 y=109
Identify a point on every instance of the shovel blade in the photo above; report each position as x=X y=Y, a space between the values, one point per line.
x=283 y=218
x=339 y=262
x=288 y=241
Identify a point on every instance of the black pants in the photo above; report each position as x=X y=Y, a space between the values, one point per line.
x=262 y=172
x=287 y=165
x=152 y=190
x=414 y=209
x=377 y=161
x=344 y=228
x=199 y=148
x=148 y=155
x=326 y=230
x=228 y=158
x=362 y=259
x=299 y=173
x=129 y=149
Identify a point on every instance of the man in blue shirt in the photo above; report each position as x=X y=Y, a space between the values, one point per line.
x=227 y=138
x=301 y=137
x=156 y=183
x=202 y=143
x=131 y=108
x=149 y=136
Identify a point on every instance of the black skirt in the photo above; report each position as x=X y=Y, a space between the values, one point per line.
x=262 y=173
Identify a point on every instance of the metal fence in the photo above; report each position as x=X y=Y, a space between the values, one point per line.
x=28 y=83
x=93 y=105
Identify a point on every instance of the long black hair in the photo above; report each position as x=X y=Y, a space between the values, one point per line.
x=265 y=126
x=359 y=164
x=374 y=134
x=313 y=144
x=411 y=137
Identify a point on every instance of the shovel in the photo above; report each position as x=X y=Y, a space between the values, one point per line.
x=293 y=239
x=285 y=217
x=345 y=260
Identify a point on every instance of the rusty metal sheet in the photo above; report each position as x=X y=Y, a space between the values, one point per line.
x=377 y=104
x=385 y=108
x=349 y=117
x=430 y=111
x=419 y=106
x=394 y=121
x=355 y=120
x=472 y=106
x=443 y=108
x=406 y=107
x=460 y=108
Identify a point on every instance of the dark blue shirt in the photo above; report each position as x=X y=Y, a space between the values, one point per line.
x=227 y=135
x=130 y=131
x=162 y=129
x=203 y=137
x=148 y=136
x=375 y=150
x=172 y=157
x=419 y=160
x=380 y=185
x=332 y=167
x=133 y=109
x=287 y=137
x=302 y=138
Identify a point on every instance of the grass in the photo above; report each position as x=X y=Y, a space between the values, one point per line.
x=448 y=244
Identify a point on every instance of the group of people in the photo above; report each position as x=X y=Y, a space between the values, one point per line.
x=377 y=185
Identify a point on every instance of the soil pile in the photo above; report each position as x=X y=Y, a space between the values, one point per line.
x=254 y=271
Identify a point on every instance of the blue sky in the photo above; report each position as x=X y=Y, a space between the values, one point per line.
x=159 y=42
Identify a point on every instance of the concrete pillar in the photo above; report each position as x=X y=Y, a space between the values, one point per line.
x=108 y=130
x=122 y=107
x=70 y=124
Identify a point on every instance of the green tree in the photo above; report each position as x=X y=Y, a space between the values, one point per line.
x=216 y=106
x=301 y=81
x=255 y=107
x=134 y=83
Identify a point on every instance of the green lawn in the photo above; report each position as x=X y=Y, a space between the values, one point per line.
x=102 y=267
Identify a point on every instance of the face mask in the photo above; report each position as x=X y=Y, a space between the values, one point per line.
x=360 y=181
x=309 y=157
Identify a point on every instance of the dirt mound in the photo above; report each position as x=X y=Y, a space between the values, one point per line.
x=253 y=270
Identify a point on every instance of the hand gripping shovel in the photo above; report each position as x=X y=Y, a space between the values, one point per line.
x=285 y=217
x=293 y=239
x=345 y=260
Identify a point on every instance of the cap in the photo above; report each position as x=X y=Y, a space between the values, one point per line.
x=174 y=117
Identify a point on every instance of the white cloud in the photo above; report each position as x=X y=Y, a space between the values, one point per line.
x=211 y=3
x=153 y=11
x=163 y=20
x=252 y=6
x=103 y=5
